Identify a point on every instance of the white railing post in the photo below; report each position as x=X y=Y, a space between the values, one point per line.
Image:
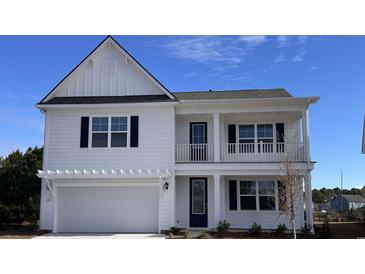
x=216 y=136
x=239 y=152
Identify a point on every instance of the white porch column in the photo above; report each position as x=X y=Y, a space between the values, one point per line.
x=55 y=209
x=217 y=199
x=305 y=131
x=216 y=136
x=308 y=200
x=172 y=201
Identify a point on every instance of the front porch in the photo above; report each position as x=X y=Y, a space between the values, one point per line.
x=223 y=197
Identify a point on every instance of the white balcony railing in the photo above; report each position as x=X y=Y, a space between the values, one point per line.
x=255 y=152
x=261 y=152
x=194 y=153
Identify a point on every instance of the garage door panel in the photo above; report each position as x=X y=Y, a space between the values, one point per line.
x=108 y=209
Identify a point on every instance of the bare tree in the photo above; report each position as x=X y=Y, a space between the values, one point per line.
x=289 y=188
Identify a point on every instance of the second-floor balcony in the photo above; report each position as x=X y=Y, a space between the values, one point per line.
x=240 y=152
x=242 y=135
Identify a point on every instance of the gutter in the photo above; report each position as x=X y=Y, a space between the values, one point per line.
x=308 y=100
x=115 y=105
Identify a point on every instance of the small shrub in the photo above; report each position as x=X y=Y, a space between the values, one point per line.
x=222 y=228
x=280 y=229
x=306 y=229
x=255 y=229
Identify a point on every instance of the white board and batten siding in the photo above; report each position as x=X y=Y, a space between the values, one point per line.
x=107 y=73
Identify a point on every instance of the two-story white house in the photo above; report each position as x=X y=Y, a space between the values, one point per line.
x=124 y=154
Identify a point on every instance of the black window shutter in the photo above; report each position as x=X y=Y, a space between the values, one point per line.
x=231 y=138
x=232 y=195
x=134 y=131
x=84 y=134
x=280 y=132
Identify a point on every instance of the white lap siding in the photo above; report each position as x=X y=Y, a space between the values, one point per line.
x=154 y=150
x=267 y=219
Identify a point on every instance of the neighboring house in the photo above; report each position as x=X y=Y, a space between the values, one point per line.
x=124 y=154
x=322 y=206
x=347 y=202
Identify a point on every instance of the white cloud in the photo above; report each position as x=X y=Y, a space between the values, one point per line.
x=313 y=68
x=253 y=40
x=244 y=78
x=302 y=39
x=280 y=58
x=299 y=57
x=282 y=41
x=214 y=49
x=191 y=74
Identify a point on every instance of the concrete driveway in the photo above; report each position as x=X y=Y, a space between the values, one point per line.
x=100 y=236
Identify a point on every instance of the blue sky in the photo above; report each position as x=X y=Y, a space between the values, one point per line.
x=332 y=67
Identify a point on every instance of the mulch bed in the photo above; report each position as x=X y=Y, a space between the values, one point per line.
x=20 y=232
x=344 y=230
x=238 y=235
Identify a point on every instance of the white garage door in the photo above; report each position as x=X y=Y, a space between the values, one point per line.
x=107 y=209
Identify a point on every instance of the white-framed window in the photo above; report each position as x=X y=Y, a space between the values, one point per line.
x=250 y=137
x=246 y=138
x=260 y=195
x=119 y=131
x=109 y=131
x=248 y=192
x=99 y=131
x=267 y=193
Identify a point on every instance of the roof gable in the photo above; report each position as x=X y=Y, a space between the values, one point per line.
x=109 y=70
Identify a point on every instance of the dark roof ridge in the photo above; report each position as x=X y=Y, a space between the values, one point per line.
x=229 y=90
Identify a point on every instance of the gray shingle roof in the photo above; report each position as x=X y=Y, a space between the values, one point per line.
x=233 y=94
x=193 y=95
x=108 y=99
x=354 y=198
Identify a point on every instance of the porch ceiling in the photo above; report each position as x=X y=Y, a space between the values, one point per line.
x=246 y=169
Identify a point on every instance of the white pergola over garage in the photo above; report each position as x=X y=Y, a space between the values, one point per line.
x=105 y=200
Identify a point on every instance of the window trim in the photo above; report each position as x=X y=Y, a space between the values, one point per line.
x=91 y=132
x=255 y=131
x=265 y=195
x=247 y=195
x=119 y=131
x=256 y=139
x=110 y=132
x=256 y=180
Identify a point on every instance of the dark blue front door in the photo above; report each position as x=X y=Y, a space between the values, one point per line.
x=198 y=202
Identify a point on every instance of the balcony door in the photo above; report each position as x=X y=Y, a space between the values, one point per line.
x=198 y=141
